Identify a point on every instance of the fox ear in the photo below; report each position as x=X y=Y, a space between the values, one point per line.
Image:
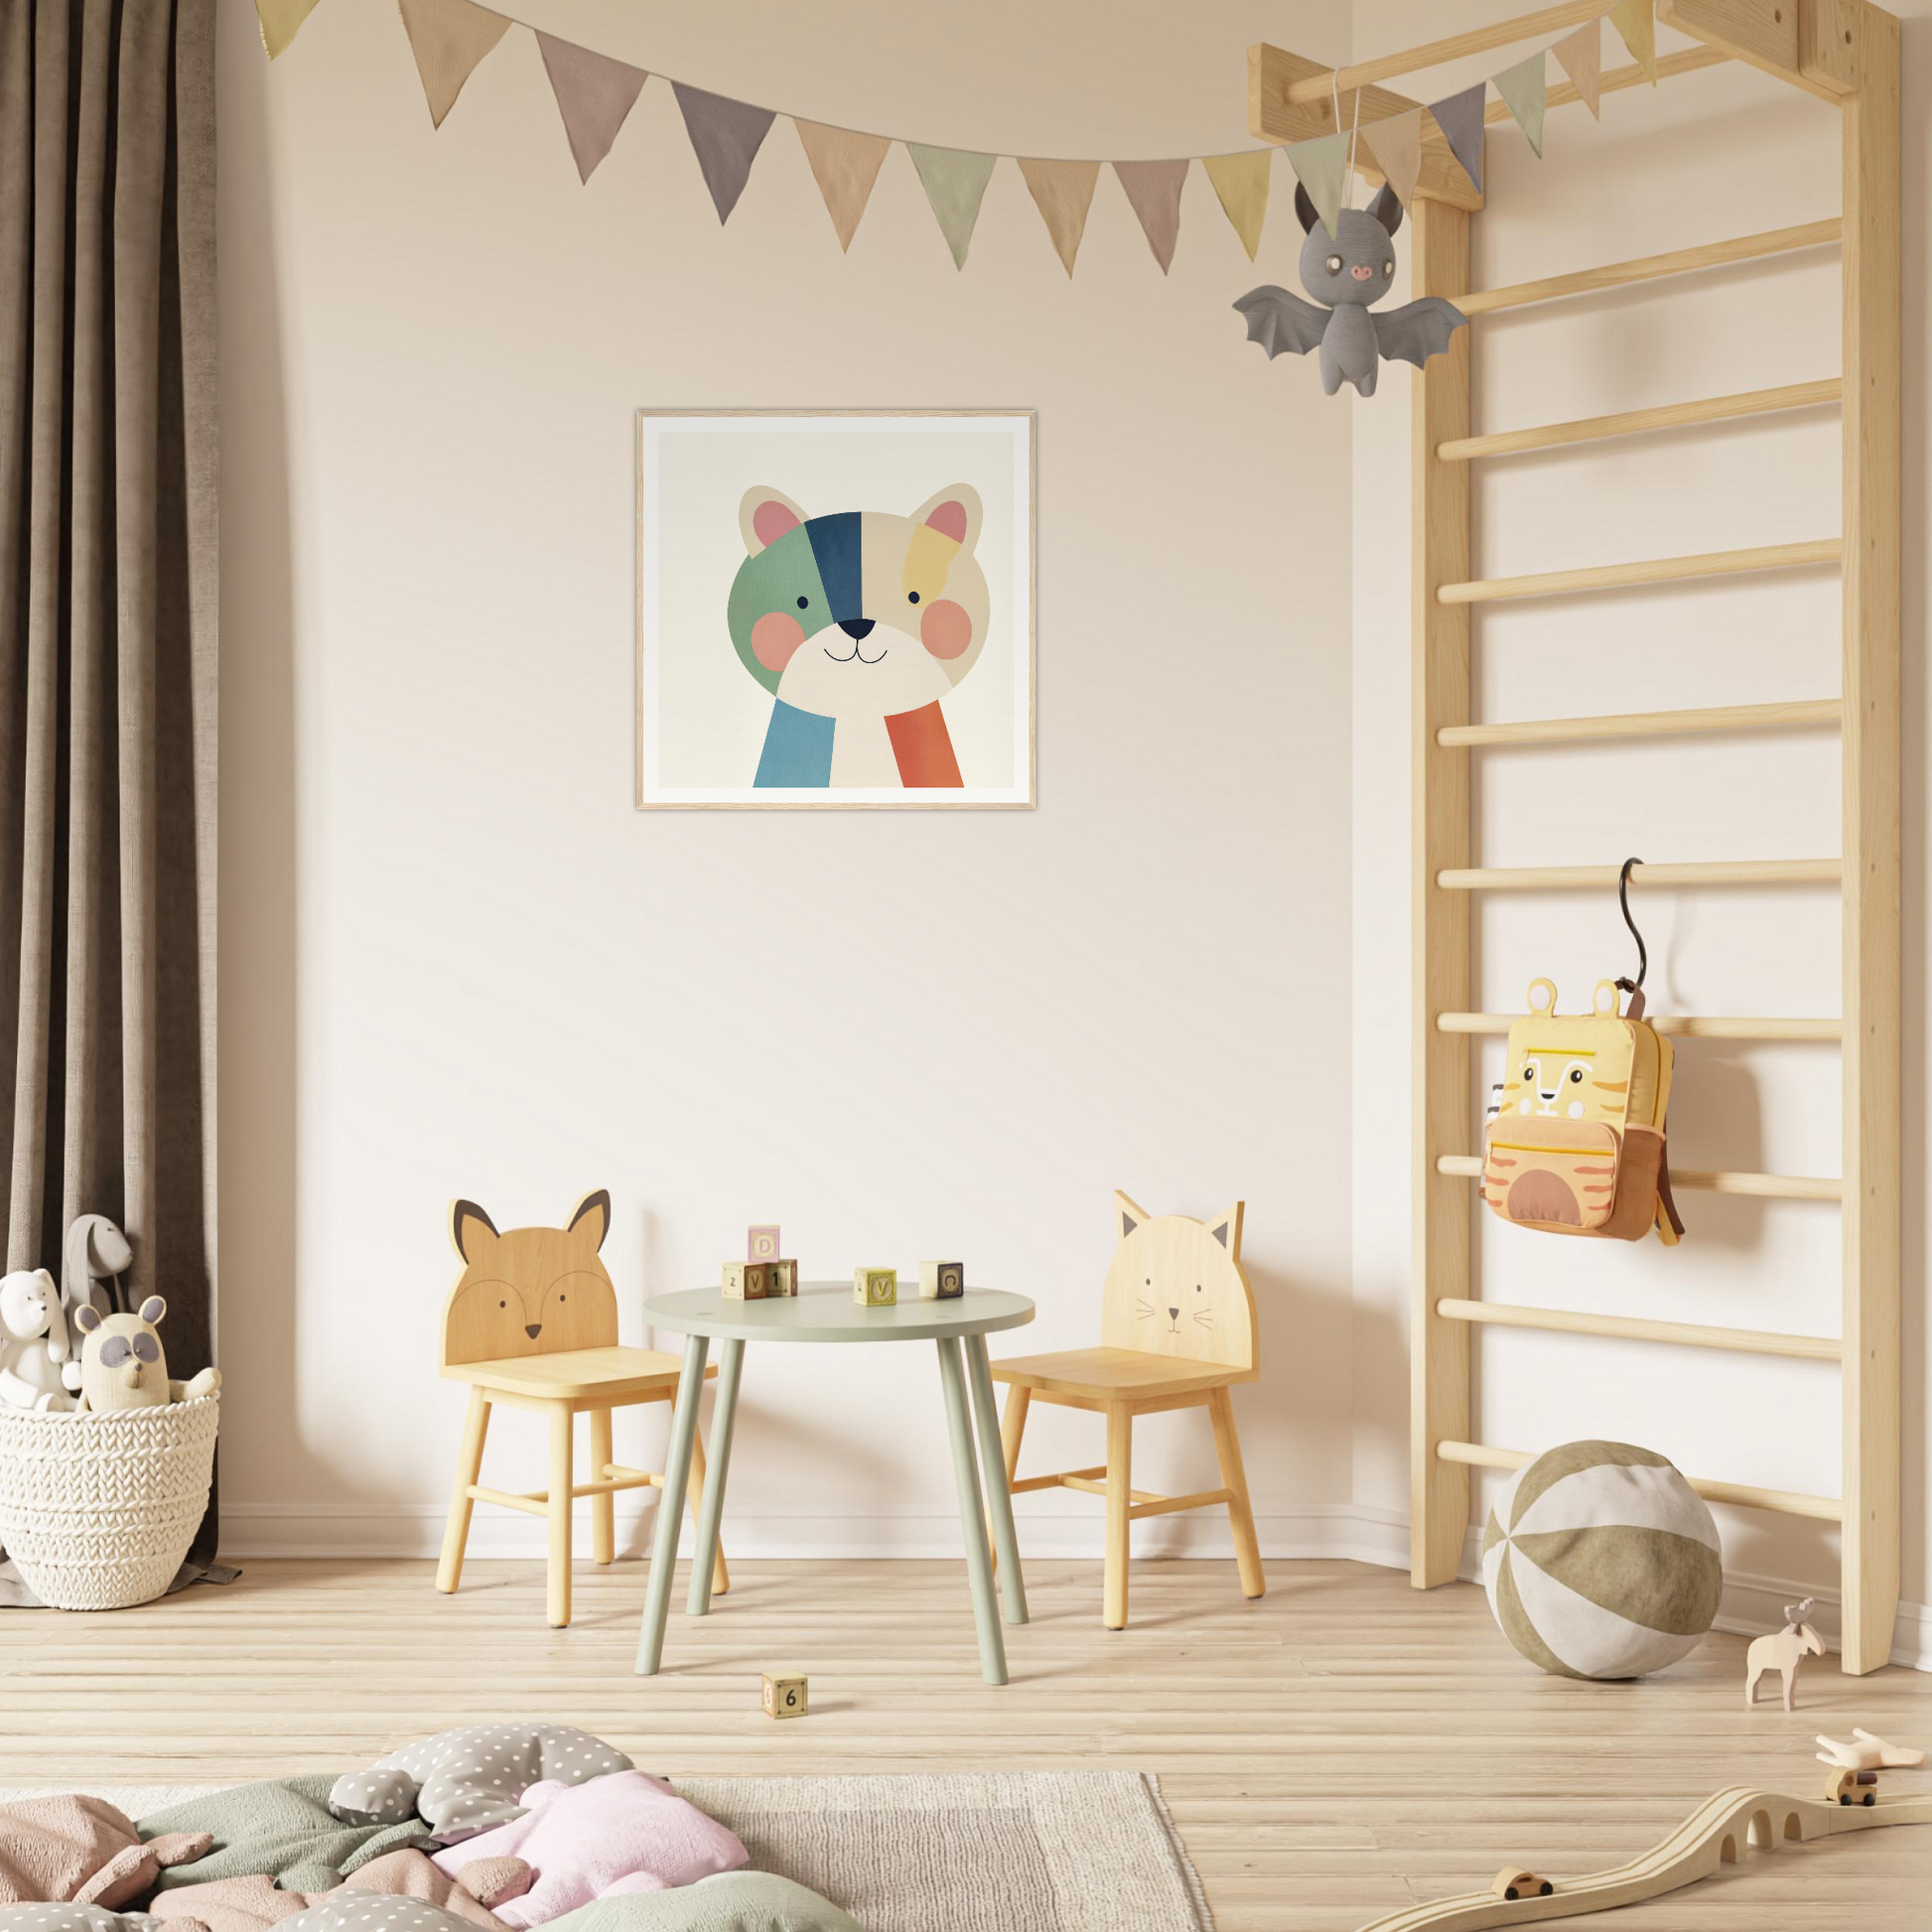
x=472 y=1231
x=1128 y=1216
x=1226 y=1229
x=590 y=1217
x=764 y=516
x=955 y=513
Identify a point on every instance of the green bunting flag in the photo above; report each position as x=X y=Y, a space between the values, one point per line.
x=1522 y=89
x=1321 y=166
x=955 y=181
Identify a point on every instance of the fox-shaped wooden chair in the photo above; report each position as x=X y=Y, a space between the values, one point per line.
x=1177 y=1332
x=532 y=1324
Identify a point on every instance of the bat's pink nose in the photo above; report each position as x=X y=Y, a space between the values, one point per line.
x=1361 y=274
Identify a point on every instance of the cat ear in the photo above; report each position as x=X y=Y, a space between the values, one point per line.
x=1226 y=1229
x=472 y=1231
x=1128 y=1216
x=954 y=512
x=764 y=516
x=589 y=1219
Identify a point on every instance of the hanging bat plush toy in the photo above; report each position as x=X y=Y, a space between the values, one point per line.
x=1345 y=272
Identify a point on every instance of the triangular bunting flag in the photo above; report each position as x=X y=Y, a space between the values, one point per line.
x=955 y=181
x=1395 y=144
x=448 y=38
x=1241 y=183
x=725 y=136
x=1637 y=26
x=844 y=165
x=1580 y=55
x=281 y=21
x=1321 y=166
x=1153 y=193
x=594 y=95
x=1460 y=119
x=1063 y=191
x=1522 y=89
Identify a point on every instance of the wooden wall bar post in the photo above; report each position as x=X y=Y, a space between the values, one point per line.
x=1871 y=877
x=1438 y=1349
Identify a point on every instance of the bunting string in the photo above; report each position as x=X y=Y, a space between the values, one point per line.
x=595 y=92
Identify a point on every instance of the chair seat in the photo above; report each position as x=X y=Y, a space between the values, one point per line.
x=1115 y=1374
x=574 y=1374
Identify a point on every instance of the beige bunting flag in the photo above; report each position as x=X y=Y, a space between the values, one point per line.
x=1395 y=144
x=1523 y=91
x=1580 y=55
x=1636 y=24
x=1063 y=191
x=593 y=95
x=281 y=21
x=1321 y=166
x=845 y=164
x=448 y=38
x=954 y=180
x=1241 y=183
x=1153 y=193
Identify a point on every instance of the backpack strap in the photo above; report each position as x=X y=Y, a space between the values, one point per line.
x=1664 y=1199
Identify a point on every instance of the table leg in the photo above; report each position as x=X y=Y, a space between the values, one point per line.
x=670 y=1507
x=979 y=1563
x=992 y=1464
x=723 y=1412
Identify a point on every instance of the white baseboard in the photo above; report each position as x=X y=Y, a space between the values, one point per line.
x=1352 y=1532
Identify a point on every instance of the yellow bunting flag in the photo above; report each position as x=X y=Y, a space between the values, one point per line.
x=448 y=38
x=954 y=180
x=1580 y=55
x=1637 y=26
x=1522 y=90
x=281 y=21
x=1063 y=191
x=1153 y=190
x=1241 y=181
x=593 y=95
x=1321 y=166
x=844 y=165
x=1395 y=144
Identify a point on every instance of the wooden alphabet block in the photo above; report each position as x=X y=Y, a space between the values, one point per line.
x=747 y=1280
x=781 y=1277
x=762 y=1242
x=942 y=1281
x=783 y=1694
x=874 y=1287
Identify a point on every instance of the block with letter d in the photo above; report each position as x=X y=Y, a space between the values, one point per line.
x=942 y=1281
x=874 y=1287
x=762 y=1242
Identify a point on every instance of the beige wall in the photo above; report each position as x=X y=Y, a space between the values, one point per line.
x=1715 y=154
x=457 y=961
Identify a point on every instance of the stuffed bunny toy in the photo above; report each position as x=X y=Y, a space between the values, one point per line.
x=95 y=1250
x=123 y=1366
x=36 y=1371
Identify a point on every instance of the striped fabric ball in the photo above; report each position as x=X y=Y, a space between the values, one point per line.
x=1601 y=1561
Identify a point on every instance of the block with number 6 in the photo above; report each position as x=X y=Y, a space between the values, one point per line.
x=783 y=1695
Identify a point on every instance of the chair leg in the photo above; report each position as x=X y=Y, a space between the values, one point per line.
x=561 y=1480
x=1120 y=1495
x=721 y=1578
x=469 y=1465
x=604 y=1508
x=1234 y=1480
x=1012 y=1425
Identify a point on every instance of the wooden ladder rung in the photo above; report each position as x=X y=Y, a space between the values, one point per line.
x=1650 y=268
x=1790 y=1502
x=1648 y=724
x=1636 y=422
x=1648 y=570
x=1628 y=1327
x=1768 y=1186
x=1686 y=1026
x=1700 y=871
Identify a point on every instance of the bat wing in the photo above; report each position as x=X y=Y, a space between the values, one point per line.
x=1418 y=330
x=1282 y=322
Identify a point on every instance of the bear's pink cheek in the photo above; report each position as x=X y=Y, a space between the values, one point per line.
x=945 y=629
x=774 y=638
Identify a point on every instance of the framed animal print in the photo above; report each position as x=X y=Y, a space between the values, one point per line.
x=835 y=607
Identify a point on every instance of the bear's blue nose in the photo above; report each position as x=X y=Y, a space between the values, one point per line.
x=855 y=627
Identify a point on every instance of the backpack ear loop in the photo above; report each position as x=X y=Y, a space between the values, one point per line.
x=1643 y=952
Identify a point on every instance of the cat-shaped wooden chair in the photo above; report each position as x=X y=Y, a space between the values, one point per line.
x=1177 y=1331
x=532 y=1323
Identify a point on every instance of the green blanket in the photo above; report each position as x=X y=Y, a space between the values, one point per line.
x=282 y=1828
x=735 y=1901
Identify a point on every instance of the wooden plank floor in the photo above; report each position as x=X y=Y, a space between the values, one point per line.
x=1342 y=1747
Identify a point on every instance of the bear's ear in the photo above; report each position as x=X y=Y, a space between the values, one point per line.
x=471 y=1229
x=86 y=1318
x=764 y=516
x=954 y=512
x=1128 y=1216
x=589 y=1219
x=152 y=1310
x=1387 y=208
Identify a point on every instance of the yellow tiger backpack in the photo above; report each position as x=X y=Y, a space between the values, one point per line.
x=1575 y=1143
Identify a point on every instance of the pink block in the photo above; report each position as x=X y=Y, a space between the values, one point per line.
x=762 y=1242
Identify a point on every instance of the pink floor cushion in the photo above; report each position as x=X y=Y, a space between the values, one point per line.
x=623 y=1833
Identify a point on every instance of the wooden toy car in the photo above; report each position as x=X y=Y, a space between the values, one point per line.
x=1512 y=1881
x=1852 y=1787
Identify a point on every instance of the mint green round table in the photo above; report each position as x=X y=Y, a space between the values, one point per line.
x=824 y=1311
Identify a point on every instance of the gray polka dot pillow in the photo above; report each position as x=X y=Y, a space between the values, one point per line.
x=83 y=1918
x=362 y=1911
x=460 y=1782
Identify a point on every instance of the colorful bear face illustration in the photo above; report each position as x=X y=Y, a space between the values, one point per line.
x=859 y=623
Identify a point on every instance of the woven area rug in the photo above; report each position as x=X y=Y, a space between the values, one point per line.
x=971 y=1851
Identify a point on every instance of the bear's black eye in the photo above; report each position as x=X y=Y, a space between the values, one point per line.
x=802 y=602
x=1333 y=264
x=912 y=596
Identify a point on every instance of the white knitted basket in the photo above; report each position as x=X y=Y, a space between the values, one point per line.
x=98 y=1510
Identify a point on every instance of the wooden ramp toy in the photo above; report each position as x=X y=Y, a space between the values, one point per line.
x=1712 y=1836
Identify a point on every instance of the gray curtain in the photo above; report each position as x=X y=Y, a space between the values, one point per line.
x=109 y=590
